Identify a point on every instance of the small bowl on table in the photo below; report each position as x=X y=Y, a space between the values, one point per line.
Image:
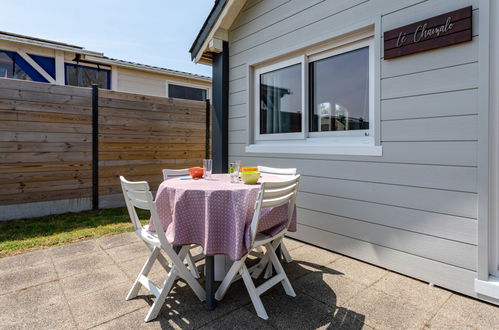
x=196 y=172
x=250 y=177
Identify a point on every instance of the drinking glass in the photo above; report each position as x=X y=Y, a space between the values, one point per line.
x=238 y=166
x=207 y=165
x=234 y=172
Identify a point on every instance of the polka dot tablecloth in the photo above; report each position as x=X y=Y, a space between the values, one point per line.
x=215 y=214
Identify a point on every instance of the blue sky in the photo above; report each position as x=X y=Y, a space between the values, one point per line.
x=154 y=32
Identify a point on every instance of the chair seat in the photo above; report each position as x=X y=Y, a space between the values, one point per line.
x=262 y=239
x=149 y=237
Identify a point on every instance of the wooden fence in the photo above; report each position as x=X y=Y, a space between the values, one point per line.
x=46 y=144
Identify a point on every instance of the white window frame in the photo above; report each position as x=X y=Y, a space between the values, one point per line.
x=269 y=68
x=355 y=142
x=186 y=84
x=363 y=134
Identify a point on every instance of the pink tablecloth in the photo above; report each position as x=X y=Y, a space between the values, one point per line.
x=215 y=214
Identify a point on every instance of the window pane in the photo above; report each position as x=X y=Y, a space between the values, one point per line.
x=77 y=75
x=6 y=66
x=9 y=68
x=339 y=92
x=187 y=93
x=281 y=100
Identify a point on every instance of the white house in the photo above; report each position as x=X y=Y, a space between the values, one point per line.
x=28 y=58
x=389 y=110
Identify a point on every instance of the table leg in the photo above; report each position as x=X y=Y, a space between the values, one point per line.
x=209 y=284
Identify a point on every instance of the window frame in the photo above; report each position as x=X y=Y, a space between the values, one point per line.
x=273 y=67
x=313 y=57
x=186 y=84
x=354 y=142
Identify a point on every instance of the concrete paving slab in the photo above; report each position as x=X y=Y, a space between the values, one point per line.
x=94 y=280
x=361 y=272
x=184 y=310
x=332 y=289
x=241 y=318
x=313 y=258
x=133 y=320
x=128 y=252
x=300 y=312
x=386 y=311
x=418 y=293
x=292 y=244
x=81 y=263
x=112 y=241
x=344 y=319
x=30 y=259
x=104 y=305
x=73 y=250
x=464 y=311
x=24 y=277
x=39 y=307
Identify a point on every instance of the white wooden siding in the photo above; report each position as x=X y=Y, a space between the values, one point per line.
x=413 y=210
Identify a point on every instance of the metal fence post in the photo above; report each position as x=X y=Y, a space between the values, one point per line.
x=208 y=128
x=95 y=147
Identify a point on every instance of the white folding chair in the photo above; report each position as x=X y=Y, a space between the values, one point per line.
x=191 y=260
x=170 y=174
x=272 y=194
x=138 y=195
x=284 y=172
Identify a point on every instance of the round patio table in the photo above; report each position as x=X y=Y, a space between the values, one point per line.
x=215 y=214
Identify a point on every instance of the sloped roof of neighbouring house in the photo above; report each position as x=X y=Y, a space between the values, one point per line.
x=97 y=57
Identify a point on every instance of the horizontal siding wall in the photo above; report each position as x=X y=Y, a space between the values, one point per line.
x=413 y=210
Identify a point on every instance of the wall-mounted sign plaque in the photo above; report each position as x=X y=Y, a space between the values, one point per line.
x=439 y=31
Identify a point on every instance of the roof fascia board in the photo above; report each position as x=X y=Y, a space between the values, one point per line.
x=49 y=45
x=146 y=68
x=221 y=26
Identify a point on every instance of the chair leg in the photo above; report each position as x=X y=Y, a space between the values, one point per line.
x=278 y=267
x=268 y=271
x=185 y=274
x=255 y=298
x=224 y=286
x=285 y=253
x=144 y=271
x=192 y=265
x=260 y=267
x=160 y=300
x=164 y=262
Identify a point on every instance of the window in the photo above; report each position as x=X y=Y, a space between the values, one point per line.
x=281 y=100
x=12 y=65
x=319 y=102
x=339 y=92
x=187 y=92
x=86 y=76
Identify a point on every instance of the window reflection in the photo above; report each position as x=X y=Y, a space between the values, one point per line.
x=339 y=92
x=281 y=100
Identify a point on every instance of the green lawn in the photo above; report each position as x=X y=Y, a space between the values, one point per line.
x=18 y=236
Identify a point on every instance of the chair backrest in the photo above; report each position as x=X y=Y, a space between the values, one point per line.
x=277 y=171
x=138 y=195
x=170 y=174
x=275 y=194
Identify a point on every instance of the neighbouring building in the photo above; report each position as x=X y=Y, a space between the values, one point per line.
x=389 y=111
x=28 y=58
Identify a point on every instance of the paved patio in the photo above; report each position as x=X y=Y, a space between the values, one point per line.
x=83 y=285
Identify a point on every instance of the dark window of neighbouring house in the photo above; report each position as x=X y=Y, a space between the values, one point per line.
x=339 y=92
x=281 y=100
x=85 y=76
x=12 y=65
x=187 y=93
